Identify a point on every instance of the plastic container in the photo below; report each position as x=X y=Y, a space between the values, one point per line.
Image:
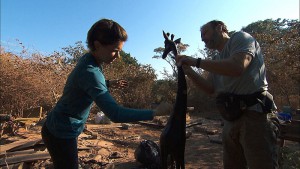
x=100 y=118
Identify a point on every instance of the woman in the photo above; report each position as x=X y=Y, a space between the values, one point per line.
x=85 y=85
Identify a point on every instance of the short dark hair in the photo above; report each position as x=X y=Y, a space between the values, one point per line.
x=107 y=32
x=215 y=23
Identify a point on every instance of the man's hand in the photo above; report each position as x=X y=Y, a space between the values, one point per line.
x=185 y=60
x=118 y=83
x=163 y=109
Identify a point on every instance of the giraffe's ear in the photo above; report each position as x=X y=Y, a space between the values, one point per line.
x=165 y=35
x=177 y=40
x=172 y=37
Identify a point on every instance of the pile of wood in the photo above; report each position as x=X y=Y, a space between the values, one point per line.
x=19 y=153
x=19 y=147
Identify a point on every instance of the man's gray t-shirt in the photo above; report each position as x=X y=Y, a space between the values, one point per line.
x=254 y=77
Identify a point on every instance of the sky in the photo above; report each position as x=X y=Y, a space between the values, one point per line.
x=47 y=26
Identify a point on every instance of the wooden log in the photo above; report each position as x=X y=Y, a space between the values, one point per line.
x=215 y=139
x=290 y=131
x=27 y=145
x=205 y=130
x=17 y=166
x=149 y=124
x=193 y=124
x=15 y=153
x=18 y=145
x=41 y=112
x=24 y=158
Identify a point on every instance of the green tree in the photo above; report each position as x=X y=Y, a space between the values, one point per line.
x=128 y=59
x=163 y=90
x=74 y=52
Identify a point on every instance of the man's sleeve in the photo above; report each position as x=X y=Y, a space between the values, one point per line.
x=242 y=42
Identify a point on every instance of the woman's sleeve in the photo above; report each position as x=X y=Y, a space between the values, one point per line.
x=95 y=87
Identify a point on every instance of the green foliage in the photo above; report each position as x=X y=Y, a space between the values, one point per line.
x=164 y=90
x=74 y=52
x=127 y=59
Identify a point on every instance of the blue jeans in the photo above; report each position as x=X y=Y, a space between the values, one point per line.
x=63 y=152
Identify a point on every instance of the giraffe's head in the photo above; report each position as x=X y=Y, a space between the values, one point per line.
x=170 y=45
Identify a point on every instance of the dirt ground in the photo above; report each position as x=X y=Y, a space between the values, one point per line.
x=200 y=151
x=112 y=146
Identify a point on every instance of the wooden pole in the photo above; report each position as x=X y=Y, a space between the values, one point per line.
x=41 y=112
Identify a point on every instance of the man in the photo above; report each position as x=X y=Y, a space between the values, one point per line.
x=238 y=78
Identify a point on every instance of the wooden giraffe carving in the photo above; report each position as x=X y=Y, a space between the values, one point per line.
x=173 y=136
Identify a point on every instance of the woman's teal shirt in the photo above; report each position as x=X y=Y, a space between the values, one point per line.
x=85 y=85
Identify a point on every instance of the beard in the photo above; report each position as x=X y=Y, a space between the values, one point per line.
x=213 y=42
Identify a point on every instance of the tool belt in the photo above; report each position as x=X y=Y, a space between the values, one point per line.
x=231 y=106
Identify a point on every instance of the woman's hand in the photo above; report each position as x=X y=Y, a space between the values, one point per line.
x=118 y=83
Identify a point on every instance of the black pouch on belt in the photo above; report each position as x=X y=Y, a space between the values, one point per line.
x=230 y=106
x=266 y=101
